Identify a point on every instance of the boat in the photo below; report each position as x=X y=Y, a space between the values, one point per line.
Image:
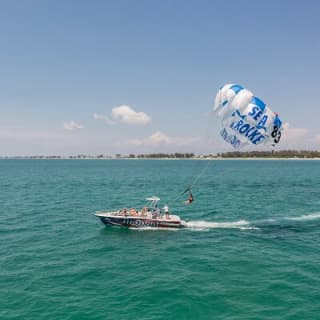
x=148 y=217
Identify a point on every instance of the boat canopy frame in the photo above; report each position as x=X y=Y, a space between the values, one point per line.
x=152 y=201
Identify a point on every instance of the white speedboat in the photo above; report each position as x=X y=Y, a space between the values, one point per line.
x=149 y=216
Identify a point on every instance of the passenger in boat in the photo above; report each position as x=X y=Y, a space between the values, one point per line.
x=132 y=212
x=166 y=211
x=144 y=211
x=125 y=213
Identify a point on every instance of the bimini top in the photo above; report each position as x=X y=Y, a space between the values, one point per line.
x=153 y=198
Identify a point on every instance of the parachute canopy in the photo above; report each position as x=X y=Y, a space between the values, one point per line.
x=245 y=119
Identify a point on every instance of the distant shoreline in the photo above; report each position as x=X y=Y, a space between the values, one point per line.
x=173 y=159
x=233 y=155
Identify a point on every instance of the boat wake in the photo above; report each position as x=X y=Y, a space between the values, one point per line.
x=153 y=229
x=287 y=220
x=250 y=225
x=202 y=225
x=206 y=225
x=305 y=217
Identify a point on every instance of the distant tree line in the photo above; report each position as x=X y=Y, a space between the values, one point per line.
x=188 y=155
x=163 y=155
x=271 y=154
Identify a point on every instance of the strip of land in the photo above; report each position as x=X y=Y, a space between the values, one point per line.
x=282 y=154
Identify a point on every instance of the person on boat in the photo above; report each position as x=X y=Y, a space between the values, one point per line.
x=190 y=198
x=155 y=212
x=166 y=211
x=125 y=212
x=144 y=211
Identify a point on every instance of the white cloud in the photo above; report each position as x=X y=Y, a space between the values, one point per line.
x=294 y=135
x=72 y=125
x=124 y=114
x=127 y=115
x=104 y=118
x=299 y=138
x=160 y=139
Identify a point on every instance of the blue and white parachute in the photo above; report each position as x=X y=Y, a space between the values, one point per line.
x=245 y=119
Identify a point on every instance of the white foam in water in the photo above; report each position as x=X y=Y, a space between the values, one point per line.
x=153 y=229
x=205 y=225
x=312 y=216
x=201 y=225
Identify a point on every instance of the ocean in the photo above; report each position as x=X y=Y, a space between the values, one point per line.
x=250 y=251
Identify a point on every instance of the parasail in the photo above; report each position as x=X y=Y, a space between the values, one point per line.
x=245 y=119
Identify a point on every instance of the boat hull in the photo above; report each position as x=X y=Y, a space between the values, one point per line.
x=140 y=222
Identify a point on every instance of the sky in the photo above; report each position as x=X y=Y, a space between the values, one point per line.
x=107 y=77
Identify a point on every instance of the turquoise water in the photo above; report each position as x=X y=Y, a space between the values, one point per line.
x=251 y=249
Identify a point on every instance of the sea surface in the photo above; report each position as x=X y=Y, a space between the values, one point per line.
x=251 y=249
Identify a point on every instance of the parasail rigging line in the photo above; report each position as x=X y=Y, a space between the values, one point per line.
x=244 y=120
x=204 y=169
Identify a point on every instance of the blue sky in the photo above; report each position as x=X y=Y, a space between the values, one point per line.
x=64 y=65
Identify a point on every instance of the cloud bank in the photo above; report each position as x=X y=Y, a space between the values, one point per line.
x=72 y=125
x=103 y=118
x=124 y=114
x=161 y=139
